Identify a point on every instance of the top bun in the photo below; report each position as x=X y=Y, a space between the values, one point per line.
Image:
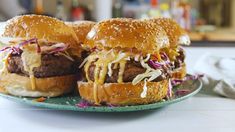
x=43 y=28
x=126 y=33
x=81 y=28
x=176 y=34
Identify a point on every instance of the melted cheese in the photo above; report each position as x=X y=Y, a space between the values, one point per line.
x=32 y=81
x=115 y=66
x=104 y=60
x=95 y=93
x=118 y=58
x=121 y=71
x=172 y=53
x=103 y=63
x=31 y=59
x=103 y=71
x=159 y=58
x=86 y=68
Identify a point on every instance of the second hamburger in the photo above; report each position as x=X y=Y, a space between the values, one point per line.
x=38 y=57
x=125 y=66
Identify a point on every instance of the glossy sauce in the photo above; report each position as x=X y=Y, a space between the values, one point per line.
x=103 y=61
x=31 y=59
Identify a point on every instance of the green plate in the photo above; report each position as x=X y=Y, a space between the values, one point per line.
x=68 y=102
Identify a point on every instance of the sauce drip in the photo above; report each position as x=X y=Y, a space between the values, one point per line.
x=103 y=62
x=31 y=59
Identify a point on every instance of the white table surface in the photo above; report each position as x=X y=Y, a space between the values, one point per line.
x=196 y=114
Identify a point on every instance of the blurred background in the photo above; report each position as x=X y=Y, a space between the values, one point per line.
x=205 y=20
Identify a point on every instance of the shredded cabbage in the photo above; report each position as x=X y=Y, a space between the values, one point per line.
x=66 y=55
x=83 y=104
x=169 y=92
x=119 y=57
x=59 y=47
x=182 y=92
x=176 y=82
x=147 y=58
x=149 y=73
x=136 y=58
x=84 y=61
x=155 y=65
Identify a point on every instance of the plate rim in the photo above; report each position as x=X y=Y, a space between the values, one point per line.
x=151 y=106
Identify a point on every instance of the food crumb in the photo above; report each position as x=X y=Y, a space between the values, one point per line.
x=41 y=99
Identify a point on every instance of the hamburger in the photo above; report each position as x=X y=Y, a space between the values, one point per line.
x=125 y=66
x=38 y=57
x=177 y=37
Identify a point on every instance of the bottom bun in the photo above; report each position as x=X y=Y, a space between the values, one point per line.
x=124 y=93
x=179 y=73
x=2 y=90
x=18 y=85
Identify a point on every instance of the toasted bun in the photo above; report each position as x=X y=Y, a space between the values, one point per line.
x=2 y=90
x=124 y=93
x=17 y=85
x=81 y=28
x=43 y=28
x=175 y=33
x=127 y=33
x=180 y=73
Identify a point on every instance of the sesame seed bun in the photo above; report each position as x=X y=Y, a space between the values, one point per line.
x=127 y=34
x=124 y=93
x=81 y=28
x=18 y=85
x=173 y=30
x=43 y=28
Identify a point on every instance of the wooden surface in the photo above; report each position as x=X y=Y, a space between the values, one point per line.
x=213 y=36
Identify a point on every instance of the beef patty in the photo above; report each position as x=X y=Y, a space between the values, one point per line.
x=132 y=69
x=51 y=65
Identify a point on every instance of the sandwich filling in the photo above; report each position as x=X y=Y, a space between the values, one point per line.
x=37 y=59
x=176 y=56
x=119 y=66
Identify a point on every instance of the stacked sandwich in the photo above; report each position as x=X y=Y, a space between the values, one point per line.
x=40 y=57
x=118 y=61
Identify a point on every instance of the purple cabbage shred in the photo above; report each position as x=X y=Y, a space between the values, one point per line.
x=84 y=104
x=182 y=92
